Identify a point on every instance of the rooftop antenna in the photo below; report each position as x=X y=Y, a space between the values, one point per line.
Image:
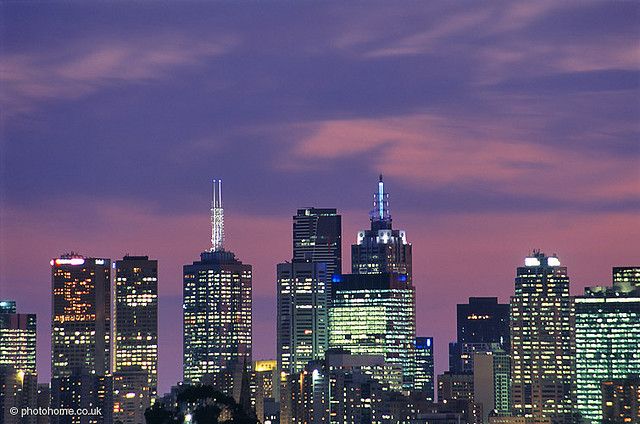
x=217 y=218
x=380 y=210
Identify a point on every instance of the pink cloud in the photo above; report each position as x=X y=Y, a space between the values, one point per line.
x=435 y=151
x=30 y=78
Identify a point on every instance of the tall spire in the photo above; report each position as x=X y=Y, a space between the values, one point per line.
x=217 y=218
x=380 y=211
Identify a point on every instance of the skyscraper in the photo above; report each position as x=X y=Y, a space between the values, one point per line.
x=302 y=314
x=217 y=313
x=374 y=314
x=482 y=326
x=80 y=333
x=381 y=248
x=424 y=378
x=607 y=327
x=317 y=237
x=304 y=290
x=135 y=335
x=542 y=345
x=373 y=309
x=17 y=338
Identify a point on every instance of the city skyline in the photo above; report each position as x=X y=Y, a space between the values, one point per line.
x=499 y=128
x=440 y=364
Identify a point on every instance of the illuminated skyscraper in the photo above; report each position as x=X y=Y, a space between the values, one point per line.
x=317 y=237
x=483 y=326
x=17 y=338
x=542 y=345
x=80 y=333
x=374 y=314
x=302 y=314
x=135 y=336
x=381 y=248
x=217 y=313
x=607 y=339
x=424 y=379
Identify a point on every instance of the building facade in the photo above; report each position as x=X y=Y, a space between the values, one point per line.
x=217 y=313
x=424 y=377
x=317 y=237
x=17 y=338
x=542 y=345
x=621 y=401
x=136 y=318
x=303 y=314
x=80 y=335
x=607 y=326
x=375 y=314
x=482 y=326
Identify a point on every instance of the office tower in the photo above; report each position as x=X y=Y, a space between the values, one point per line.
x=424 y=378
x=375 y=314
x=542 y=345
x=304 y=290
x=80 y=339
x=483 y=326
x=131 y=395
x=267 y=390
x=302 y=314
x=217 y=313
x=607 y=334
x=626 y=276
x=317 y=237
x=136 y=319
x=17 y=338
x=491 y=383
x=621 y=401
x=381 y=248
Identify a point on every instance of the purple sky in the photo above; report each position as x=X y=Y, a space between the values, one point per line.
x=500 y=127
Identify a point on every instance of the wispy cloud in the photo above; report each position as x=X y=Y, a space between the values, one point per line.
x=28 y=78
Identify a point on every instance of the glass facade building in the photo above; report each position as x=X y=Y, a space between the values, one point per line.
x=607 y=344
x=217 y=320
x=317 y=237
x=542 y=345
x=17 y=338
x=303 y=314
x=424 y=377
x=374 y=314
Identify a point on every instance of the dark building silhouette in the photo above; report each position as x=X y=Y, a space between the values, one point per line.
x=424 y=377
x=317 y=237
x=482 y=326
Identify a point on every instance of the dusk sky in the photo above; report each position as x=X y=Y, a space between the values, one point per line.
x=499 y=127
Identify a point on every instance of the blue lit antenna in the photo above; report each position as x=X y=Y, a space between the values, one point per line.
x=380 y=210
x=217 y=218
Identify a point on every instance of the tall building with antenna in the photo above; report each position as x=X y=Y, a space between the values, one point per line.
x=217 y=312
x=381 y=248
x=373 y=309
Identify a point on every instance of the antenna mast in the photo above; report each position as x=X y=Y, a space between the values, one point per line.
x=217 y=218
